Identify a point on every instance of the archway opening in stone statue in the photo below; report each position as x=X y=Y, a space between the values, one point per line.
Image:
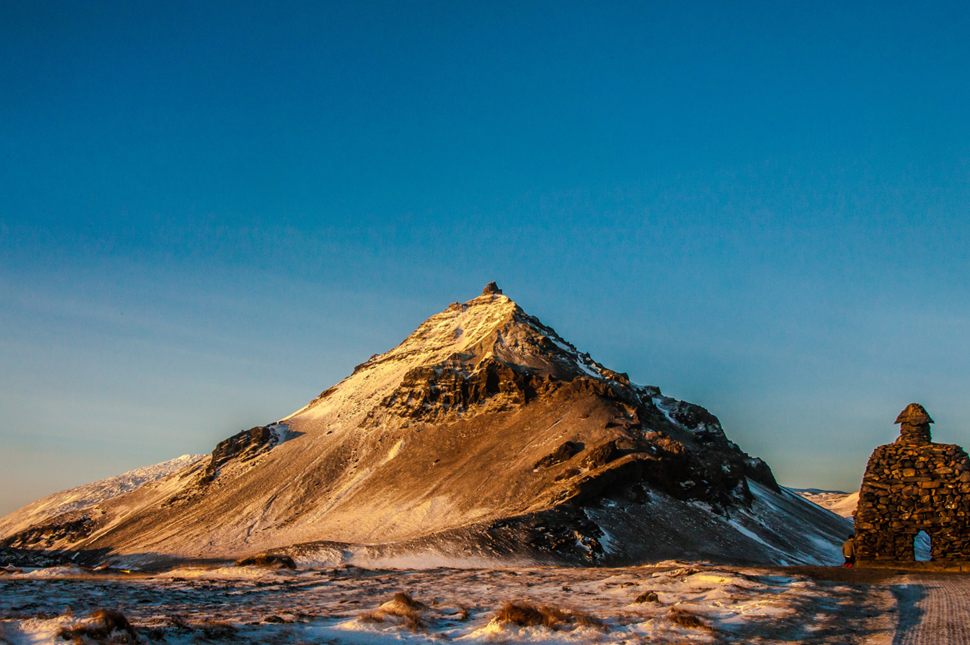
x=921 y=546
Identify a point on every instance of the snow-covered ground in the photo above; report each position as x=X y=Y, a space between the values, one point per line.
x=671 y=602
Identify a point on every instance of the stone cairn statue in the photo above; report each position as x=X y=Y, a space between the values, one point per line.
x=914 y=485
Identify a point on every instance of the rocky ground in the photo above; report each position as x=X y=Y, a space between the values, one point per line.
x=673 y=602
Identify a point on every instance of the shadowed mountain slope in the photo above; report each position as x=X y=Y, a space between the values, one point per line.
x=483 y=435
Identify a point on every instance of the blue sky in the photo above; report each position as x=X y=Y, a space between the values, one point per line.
x=212 y=211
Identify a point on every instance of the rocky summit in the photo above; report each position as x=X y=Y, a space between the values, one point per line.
x=483 y=436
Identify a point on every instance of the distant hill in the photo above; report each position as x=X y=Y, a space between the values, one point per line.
x=839 y=502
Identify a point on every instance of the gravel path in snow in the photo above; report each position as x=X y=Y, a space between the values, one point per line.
x=933 y=610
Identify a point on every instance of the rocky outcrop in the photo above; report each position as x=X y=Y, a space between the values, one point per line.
x=32 y=557
x=601 y=455
x=560 y=455
x=439 y=393
x=914 y=485
x=70 y=527
x=242 y=446
x=757 y=470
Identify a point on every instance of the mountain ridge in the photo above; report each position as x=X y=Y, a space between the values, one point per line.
x=78 y=498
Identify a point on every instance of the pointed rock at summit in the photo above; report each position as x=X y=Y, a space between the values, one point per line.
x=483 y=434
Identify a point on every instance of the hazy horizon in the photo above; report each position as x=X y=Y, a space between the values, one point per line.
x=212 y=212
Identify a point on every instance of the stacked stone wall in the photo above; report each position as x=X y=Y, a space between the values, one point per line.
x=910 y=488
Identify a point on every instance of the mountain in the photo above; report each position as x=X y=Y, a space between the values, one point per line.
x=484 y=435
x=841 y=503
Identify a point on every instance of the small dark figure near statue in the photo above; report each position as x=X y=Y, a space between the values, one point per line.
x=848 y=551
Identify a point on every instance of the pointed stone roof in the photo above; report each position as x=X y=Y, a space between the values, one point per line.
x=914 y=414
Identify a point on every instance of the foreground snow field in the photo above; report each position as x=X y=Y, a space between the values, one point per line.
x=673 y=602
